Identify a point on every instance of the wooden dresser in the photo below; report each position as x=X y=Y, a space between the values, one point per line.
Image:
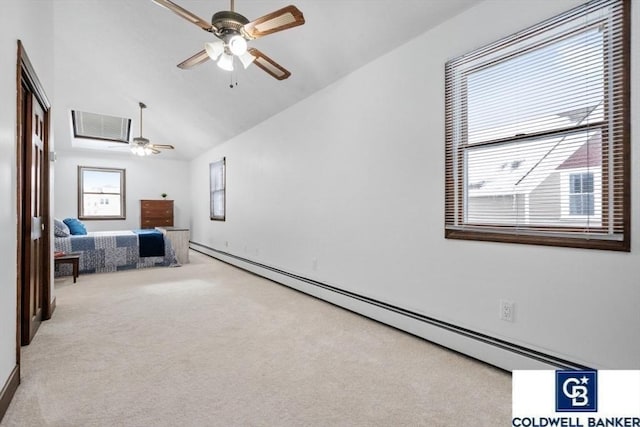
x=156 y=213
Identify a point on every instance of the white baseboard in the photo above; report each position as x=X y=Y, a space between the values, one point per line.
x=491 y=350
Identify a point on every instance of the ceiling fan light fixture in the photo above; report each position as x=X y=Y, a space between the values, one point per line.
x=237 y=45
x=141 y=151
x=226 y=62
x=141 y=146
x=214 y=49
x=234 y=31
x=246 y=59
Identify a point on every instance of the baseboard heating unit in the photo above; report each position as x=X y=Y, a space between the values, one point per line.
x=480 y=346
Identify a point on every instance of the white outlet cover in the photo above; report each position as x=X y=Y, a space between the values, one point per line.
x=507 y=310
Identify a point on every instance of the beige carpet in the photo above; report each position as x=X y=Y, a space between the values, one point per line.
x=207 y=344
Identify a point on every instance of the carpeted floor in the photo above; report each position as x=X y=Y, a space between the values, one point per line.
x=207 y=344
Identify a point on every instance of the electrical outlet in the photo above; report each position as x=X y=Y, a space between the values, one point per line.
x=507 y=310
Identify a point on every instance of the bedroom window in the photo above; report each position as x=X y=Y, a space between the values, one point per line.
x=217 y=181
x=101 y=193
x=537 y=134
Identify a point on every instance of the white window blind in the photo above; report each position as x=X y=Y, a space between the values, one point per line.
x=217 y=182
x=527 y=115
x=100 y=127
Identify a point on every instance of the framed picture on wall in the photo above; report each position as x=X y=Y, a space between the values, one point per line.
x=217 y=181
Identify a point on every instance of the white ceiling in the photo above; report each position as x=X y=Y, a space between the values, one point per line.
x=111 y=54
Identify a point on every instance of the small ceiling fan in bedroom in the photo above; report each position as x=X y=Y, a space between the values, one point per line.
x=233 y=31
x=141 y=146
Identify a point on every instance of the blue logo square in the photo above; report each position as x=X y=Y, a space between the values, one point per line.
x=576 y=391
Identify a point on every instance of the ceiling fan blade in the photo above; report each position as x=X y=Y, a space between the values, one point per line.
x=184 y=13
x=154 y=151
x=196 y=59
x=287 y=17
x=269 y=65
x=162 y=146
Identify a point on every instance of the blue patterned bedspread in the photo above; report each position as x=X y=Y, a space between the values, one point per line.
x=107 y=251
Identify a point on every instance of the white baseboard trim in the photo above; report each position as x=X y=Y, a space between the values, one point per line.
x=488 y=349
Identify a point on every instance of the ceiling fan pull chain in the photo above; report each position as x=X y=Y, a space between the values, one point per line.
x=231 y=79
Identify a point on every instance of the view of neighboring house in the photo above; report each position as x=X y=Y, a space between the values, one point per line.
x=524 y=183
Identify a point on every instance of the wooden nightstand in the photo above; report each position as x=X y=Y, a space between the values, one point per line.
x=179 y=238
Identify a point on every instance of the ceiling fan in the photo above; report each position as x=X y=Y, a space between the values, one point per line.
x=233 y=32
x=141 y=146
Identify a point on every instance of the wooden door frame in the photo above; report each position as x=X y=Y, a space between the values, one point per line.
x=26 y=75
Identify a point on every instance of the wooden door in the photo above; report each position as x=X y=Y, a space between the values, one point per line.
x=34 y=252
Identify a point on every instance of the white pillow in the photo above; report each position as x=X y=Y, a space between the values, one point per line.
x=60 y=229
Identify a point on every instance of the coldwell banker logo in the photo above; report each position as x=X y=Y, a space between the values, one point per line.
x=576 y=391
x=586 y=398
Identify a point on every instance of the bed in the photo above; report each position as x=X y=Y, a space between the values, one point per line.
x=108 y=251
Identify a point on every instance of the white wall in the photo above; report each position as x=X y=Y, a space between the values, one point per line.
x=31 y=22
x=146 y=178
x=353 y=177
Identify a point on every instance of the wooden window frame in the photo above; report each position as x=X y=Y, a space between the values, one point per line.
x=123 y=208
x=212 y=184
x=455 y=167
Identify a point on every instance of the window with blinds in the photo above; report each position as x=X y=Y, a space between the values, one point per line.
x=217 y=183
x=537 y=134
x=100 y=127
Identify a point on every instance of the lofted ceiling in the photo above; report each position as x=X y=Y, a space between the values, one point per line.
x=111 y=54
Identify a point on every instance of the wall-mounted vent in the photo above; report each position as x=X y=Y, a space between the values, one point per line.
x=101 y=127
